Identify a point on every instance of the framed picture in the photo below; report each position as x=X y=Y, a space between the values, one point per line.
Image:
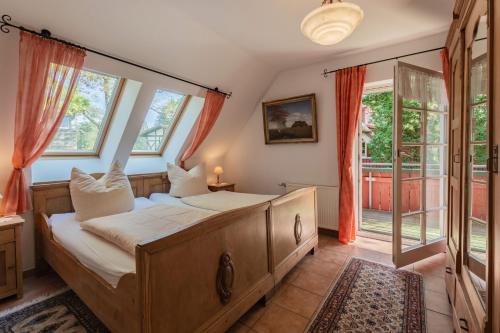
x=290 y=120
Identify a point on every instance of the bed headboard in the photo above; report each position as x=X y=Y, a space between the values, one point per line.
x=54 y=197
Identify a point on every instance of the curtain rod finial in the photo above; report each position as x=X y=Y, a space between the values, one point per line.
x=45 y=33
x=325 y=73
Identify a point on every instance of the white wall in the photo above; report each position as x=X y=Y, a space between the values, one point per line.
x=256 y=167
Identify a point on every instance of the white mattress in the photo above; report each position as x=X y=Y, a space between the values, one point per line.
x=221 y=201
x=102 y=257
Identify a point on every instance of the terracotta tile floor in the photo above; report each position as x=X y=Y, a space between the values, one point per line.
x=292 y=307
x=303 y=289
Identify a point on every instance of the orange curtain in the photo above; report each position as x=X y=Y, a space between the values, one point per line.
x=214 y=101
x=445 y=60
x=48 y=71
x=349 y=85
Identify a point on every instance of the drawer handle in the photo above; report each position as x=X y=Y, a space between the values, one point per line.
x=464 y=325
x=448 y=270
x=297 y=229
x=225 y=278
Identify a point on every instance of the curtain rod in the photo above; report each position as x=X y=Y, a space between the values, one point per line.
x=5 y=24
x=326 y=72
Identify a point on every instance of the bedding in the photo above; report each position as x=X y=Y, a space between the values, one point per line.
x=185 y=183
x=105 y=259
x=215 y=201
x=110 y=194
x=129 y=229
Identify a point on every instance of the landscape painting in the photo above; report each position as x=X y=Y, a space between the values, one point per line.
x=291 y=120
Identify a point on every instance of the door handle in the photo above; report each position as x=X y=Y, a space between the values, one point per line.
x=464 y=325
x=448 y=270
x=456 y=158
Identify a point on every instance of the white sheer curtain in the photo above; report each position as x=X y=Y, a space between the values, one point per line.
x=417 y=85
x=479 y=77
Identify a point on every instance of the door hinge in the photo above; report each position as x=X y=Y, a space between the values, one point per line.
x=492 y=164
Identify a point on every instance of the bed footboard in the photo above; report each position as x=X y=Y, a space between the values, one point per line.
x=207 y=276
x=294 y=228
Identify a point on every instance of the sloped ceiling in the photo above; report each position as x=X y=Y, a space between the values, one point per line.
x=236 y=45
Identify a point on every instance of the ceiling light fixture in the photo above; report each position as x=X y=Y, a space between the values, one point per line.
x=332 y=22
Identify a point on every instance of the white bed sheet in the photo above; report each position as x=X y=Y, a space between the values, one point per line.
x=102 y=257
x=165 y=198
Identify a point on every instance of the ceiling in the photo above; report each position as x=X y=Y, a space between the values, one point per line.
x=267 y=30
x=270 y=29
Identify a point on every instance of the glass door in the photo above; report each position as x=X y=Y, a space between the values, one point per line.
x=420 y=164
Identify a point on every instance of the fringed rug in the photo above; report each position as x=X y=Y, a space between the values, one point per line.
x=370 y=297
x=62 y=312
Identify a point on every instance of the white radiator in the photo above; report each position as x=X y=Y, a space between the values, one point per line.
x=328 y=203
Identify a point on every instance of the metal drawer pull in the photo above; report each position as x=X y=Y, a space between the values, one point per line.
x=297 y=229
x=225 y=278
x=448 y=270
x=464 y=325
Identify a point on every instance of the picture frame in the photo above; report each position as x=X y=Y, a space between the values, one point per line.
x=290 y=120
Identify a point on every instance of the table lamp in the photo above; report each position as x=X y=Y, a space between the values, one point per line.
x=218 y=171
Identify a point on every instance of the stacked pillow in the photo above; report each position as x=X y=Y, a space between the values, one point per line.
x=187 y=183
x=108 y=195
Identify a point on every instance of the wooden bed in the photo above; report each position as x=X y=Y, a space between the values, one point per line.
x=201 y=279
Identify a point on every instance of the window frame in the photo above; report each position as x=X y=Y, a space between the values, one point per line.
x=180 y=112
x=117 y=95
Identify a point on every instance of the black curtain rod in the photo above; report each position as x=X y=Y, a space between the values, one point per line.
x=5 y=24
x=326 y=72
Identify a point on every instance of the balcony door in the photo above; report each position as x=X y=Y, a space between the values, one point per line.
x=420 y=164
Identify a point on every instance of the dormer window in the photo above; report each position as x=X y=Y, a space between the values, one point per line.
x=85 y=124
x=160 y=122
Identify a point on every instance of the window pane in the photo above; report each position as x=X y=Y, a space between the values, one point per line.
x=411 y=158
x=161 y=115
x=410 y=230
x=478 y=240
x=434 y=222
x=82 y=127
x=435 y=165
x=436 y=127
x=479 y=201
x=479 y=160
x=412 y=126
x=478 y=122
x=435 y=193
x=410 y=196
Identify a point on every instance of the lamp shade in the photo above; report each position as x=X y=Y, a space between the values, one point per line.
x=331 y=23
x=218 y=170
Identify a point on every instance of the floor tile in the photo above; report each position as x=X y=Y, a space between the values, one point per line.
x=435 y=283
x=239 y=328
x=438 y=323
x=312 y=282
x=327 y=269
x=298 y=300
x=255 y=313
x=278 y=319
x=437 y=302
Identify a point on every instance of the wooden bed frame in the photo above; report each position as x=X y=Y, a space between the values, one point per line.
x=201 y=279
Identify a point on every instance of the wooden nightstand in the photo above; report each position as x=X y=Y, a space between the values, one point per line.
x=221 y=187
x=11 y=264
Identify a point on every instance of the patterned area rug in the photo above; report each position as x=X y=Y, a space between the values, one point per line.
x=64 y=312
x=370 y=297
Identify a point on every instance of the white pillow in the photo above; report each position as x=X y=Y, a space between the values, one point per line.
x=186 y=183
x=110 y=194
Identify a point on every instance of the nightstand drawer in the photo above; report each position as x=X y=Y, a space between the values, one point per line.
x=7 y=236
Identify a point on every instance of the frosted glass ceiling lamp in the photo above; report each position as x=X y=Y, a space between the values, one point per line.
x=332 y=22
